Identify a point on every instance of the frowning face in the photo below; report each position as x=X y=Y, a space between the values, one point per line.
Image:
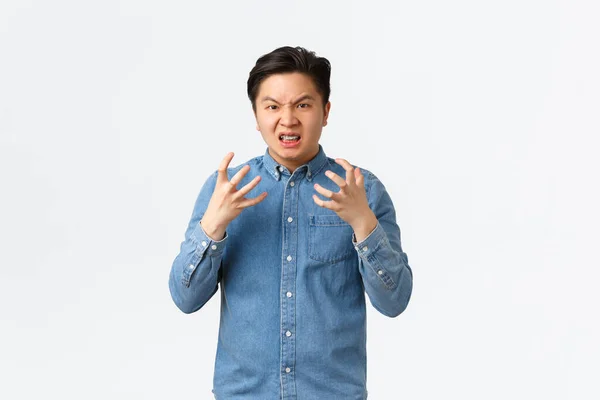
x=290 y=117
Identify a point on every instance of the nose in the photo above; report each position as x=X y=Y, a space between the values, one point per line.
x=288 y=117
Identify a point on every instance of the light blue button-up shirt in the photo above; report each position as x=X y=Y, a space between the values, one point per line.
x=293 y=279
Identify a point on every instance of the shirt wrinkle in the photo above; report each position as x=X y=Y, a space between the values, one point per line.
x=298 y=282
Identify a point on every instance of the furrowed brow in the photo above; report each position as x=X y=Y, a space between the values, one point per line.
x=305 y=97
x=267 y=98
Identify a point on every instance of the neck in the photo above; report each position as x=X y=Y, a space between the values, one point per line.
x=292 y=165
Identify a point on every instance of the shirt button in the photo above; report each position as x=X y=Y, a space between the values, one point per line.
x=203 y=243
x=289 y=258
x=288 y=334
x=365 y=248
x=289 y=294
x=214 y=247
x=290 y=219
x=292 y=183
x=380 y=272
x=191 y=266
x=288 y=370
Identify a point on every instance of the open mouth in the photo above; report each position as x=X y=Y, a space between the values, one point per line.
x=289 y=138
x=289 y=141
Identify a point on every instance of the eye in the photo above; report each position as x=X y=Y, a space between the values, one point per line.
x=272 y=105
x=303 y=104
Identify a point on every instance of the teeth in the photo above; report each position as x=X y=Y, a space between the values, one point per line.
x=285 y=137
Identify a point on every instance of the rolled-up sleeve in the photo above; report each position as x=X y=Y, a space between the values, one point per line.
x=195 y=272
x=387 y=277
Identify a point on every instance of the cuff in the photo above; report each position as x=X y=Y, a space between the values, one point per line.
x=204 y=243
x=371 y=242
x=367 y=250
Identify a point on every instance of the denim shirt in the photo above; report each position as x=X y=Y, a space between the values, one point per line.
x=293 y=282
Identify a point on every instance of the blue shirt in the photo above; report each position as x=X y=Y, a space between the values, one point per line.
x=293 y=282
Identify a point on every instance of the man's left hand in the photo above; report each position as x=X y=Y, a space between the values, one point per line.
x=350 y=202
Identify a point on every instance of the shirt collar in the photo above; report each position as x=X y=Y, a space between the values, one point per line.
x=313 y=166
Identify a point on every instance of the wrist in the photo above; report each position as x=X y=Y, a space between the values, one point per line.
x=365 y=226
x=214 y=231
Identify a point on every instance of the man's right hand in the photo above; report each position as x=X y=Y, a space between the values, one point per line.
x=226 y=202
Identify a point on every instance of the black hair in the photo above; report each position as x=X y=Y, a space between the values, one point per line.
x=291 y=59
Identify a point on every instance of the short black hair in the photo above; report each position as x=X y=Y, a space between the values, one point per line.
x=291 y=59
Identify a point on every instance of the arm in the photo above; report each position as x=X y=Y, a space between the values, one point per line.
x=387 y=277
x=196 y=270
x=195 y=273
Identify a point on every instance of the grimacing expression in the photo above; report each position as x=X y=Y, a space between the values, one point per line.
x=290 y=117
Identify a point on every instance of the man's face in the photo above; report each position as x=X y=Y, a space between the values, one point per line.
x=290 y=117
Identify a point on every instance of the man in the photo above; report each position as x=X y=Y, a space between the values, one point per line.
x=295 y=239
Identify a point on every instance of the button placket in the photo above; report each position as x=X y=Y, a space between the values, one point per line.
x=288 y=285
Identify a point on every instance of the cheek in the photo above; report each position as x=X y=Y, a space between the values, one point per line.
x=315 y=123
x=266 y=122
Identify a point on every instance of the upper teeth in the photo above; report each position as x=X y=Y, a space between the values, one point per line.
x=286 y=137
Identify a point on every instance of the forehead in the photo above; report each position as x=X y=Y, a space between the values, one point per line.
x=287 y=86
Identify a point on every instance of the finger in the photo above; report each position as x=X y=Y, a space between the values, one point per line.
x=251 y=202
x=349 y=170
x=324 y=192
x=336 y=178
x=247 y=188
x=239 y=175
x=222 y=171
x=360 y=178
x=321 y=203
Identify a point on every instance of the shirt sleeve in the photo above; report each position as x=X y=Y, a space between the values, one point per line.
x=195 y=272
x=386 y=275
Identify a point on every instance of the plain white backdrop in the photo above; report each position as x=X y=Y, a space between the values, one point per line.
x=480 y=117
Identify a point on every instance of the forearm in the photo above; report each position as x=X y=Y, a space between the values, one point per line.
x=213 y=229
x=194 y=275
x=387 y=277
x=364 y=225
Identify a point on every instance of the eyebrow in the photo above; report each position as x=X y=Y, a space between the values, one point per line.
x=305 y=97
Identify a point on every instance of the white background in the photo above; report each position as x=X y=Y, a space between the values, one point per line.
x=480 y=117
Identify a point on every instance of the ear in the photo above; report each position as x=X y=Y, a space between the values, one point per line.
x=326 y=115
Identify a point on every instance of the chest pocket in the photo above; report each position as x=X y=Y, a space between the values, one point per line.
x=329 y=238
